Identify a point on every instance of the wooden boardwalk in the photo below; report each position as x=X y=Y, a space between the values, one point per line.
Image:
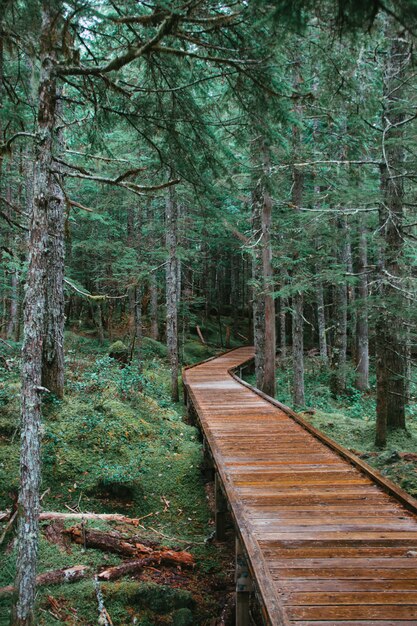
x=328 y=541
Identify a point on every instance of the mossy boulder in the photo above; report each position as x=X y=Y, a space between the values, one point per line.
x=119 y=351
x=152 y=348
x=183 y=617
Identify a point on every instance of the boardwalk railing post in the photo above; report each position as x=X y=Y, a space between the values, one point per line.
x=221 y=509
x=243 y=587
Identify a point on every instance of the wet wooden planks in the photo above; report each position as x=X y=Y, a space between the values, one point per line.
x=327 y=544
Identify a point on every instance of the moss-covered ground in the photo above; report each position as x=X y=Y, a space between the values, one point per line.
x=350 y=420
x=116 y=443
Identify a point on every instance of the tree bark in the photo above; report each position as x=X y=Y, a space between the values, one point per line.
x=153 y=288
x=263 y=301
x=53 y=345
x=34 y=326
x=283 y=329
x=391 y=352
x=172 y=289
x=298 y=349
x=297 y=304
x=338 y=378
x=55 y=577
x=362 y=326
x=321 y=321
x=138 y=328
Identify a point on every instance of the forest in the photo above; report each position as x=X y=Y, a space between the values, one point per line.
x=179 y=178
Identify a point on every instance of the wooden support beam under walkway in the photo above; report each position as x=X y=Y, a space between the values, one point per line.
x=322 y=538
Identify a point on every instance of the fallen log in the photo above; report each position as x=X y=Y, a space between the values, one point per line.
x=109 y=517
x=125 y=569
x=54 y=577
x=131 y=547
x=106 y=541
x=106 y=517
x=200 y=335
x=164 y=557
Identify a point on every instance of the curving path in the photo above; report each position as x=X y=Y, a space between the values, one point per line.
x=329 y=542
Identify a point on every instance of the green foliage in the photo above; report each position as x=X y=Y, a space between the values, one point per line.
x=118 y=347
x=183 y=617
x=152 y=348
x=109 y=447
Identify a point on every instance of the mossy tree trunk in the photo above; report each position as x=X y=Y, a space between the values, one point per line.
x=34 y=331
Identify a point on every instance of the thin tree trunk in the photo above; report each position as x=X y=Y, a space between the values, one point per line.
x=338 y=379
x=362 y=330
x=321 y=321
x=138 y=328
x=34 y=323
x=172 y=289
x=351 y=303
x=297 y=309
x=283 y=329
x=263 y=301
x=153 y=288
x=264 y=330
x=391 y=338
x=13 y=321
x=298 y=349
x=100 y=323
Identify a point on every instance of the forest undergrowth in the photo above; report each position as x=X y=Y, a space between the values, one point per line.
x=117 y=444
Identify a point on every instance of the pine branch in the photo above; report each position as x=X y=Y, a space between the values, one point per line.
x=97 y=158
x=5 y=147
x=327 y=162
x=202 y=57
x=91 y=296
x=138 y=189
x=118 y=62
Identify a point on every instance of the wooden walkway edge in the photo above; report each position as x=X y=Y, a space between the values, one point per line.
x=326 y=540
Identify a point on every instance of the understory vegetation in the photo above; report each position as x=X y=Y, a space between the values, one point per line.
x=116 y=443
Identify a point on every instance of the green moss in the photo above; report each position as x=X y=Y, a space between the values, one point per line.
x=195 y=351
x=157 y=598
x=182 y=617
x=115 y=443
x=118 y=347
x=152 y=348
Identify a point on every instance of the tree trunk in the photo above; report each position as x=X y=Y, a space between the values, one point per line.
x=297 y=306
x=362 y=331
x=298 y=349
x=283 y=329
x=321 y=321
x=351 y=339
x=53 y=345
x=391 y=338
x=338 y=379
x=172 y=289
x=153 y=288
x=138 y=328
x=13 y=311
x=34 y=325
x=263 y=301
